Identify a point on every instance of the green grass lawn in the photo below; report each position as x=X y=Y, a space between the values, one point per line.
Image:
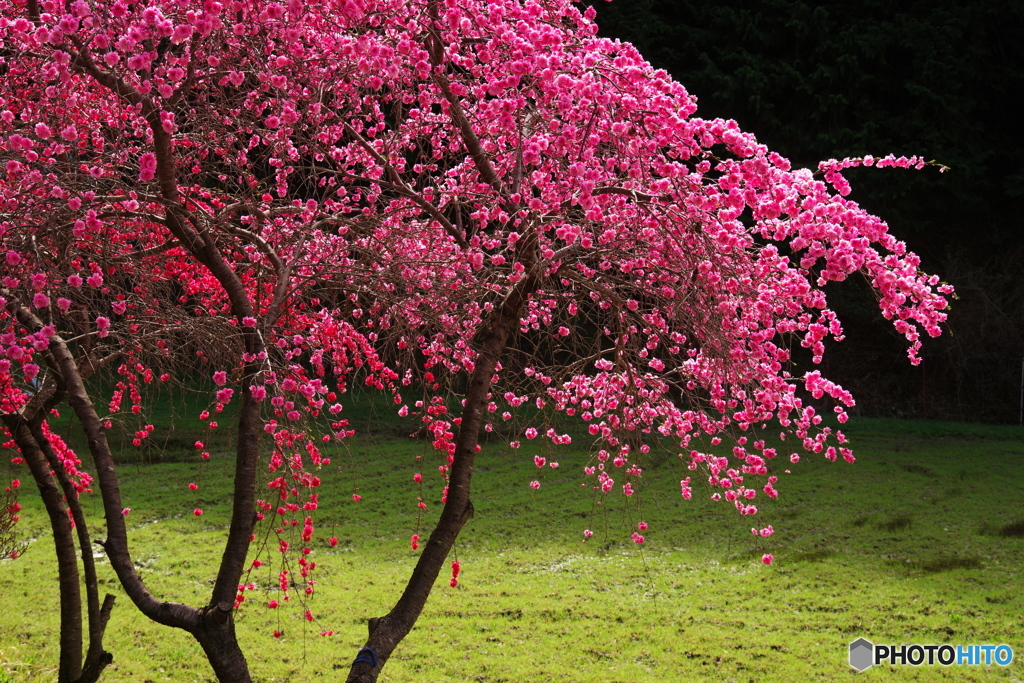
x=920 y=541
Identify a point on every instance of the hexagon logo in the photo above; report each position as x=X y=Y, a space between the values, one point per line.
x=862 y=654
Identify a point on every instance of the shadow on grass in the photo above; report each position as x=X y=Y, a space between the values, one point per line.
x=914 y=468
x=1011 y=530
x=812 y=556
x=898 y=523
x=945 y=563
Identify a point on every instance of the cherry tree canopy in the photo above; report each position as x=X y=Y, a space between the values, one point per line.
x=435 y=198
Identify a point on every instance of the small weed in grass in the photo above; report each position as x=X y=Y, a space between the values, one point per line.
x=812 y=556
x=14 y=669
x=897 y=523
x=947 y=563
x=1013 y=530
x=914 y=468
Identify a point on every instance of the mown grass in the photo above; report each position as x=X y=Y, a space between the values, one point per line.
x=917 y=542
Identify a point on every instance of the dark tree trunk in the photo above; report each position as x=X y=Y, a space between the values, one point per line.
x=70 y=666
x=65 y=513
x=218 y=640
x=96 y=658
x=389 y=630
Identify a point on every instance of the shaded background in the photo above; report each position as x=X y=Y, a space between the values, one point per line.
x=820 y=80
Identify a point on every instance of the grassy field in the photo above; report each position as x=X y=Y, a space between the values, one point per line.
x=920 y=541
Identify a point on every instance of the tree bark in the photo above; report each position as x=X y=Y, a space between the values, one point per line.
x=390 y=629
x=70 y=658
x=217 y=638
x=27 y=428
x=96 y=658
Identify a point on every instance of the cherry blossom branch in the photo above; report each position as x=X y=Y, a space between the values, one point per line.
x=398 y=185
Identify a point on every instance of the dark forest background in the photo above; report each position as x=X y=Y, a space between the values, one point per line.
x=820 y=80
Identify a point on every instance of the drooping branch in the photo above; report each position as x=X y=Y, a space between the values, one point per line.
x=389 y=630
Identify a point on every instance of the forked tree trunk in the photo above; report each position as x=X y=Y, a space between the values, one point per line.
x=96 y=658
x=70 y=659
x=62 y=506
x=212 y=626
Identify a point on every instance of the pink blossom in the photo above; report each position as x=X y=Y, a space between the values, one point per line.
x=182 y=32
x=767 y=558
x=198 y=512
x=147 y=166
x=693 y=254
